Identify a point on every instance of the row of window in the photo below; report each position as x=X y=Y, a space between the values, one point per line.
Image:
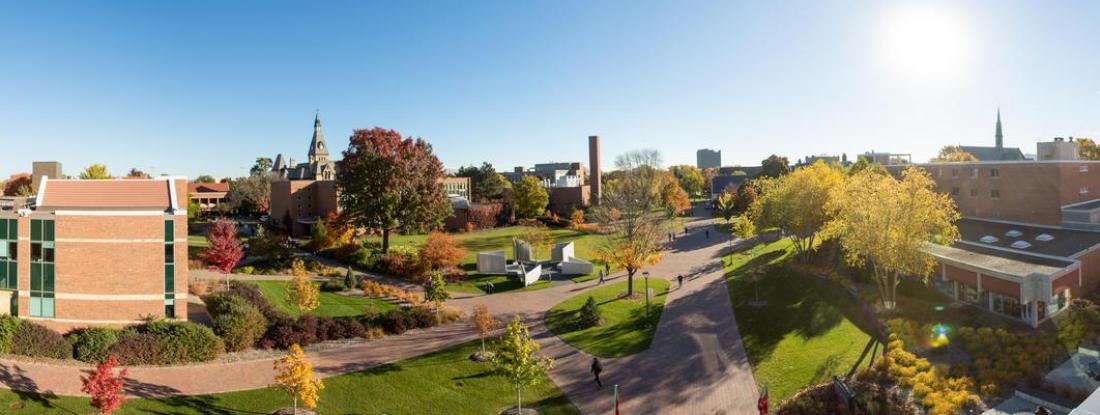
x=169 y=268
x=974 y=172
x=995 y=193
x=42 y=268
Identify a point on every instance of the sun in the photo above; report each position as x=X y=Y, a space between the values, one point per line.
x=926 y=41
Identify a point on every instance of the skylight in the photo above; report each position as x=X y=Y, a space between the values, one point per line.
x=1013 y=233
x=1044 y=237
x=988 y=239
x=1020 y=245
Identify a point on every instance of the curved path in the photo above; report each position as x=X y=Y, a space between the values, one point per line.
x=696 y=363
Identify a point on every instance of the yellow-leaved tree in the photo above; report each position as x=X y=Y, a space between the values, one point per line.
x=517 y=359
x=950 y=154
x=294 y=375
x=302 y=293
x=796 y=203
x=886 y=224
x=632 y=210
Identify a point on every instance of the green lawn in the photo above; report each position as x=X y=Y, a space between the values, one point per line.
x=803 y=336
x=624 y=331
x=501 y=239
x=332 y=304
x=441 y=382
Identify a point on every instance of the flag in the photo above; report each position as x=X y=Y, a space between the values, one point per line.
x=762 y=403
x=617 y=400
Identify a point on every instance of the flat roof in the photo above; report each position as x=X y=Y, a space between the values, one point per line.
x=1085 y=206
x=1065 y=242
x=1004 y=262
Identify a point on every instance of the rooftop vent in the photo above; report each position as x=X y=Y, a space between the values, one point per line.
x=1021 y=245
x=1044 y=237
x=988 y=239
x=1013 y=233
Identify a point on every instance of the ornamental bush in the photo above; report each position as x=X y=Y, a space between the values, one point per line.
x=334 y=286
x=93 y=345
x=8 y=326
x=185 y=342
x=35 y=340
x=253 y=295
x=239 y=323
x=135 y=348
x=590 y=314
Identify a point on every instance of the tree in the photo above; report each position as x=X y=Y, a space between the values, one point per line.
x=708 y=178
x=746 y=196
x=224 y=250
x=726 y=205
x=530 y=197
x=18 y=185
x=517 y=359
x=193 y=209
x=690 y=177
x=631 y=211
x=388 y=183
x=435 y=289
x=483 y=323
x=886 y=224
x=441 y=251
x=95 y=172
x=302 y=293
x=1087 y=149
x=262 y=167
x=863 y=164
x=206 y=178
x=136 y=173
x=252 y=193
x=350 y=280
x=953 y=154
x=294 y=375
x=744 y=228
x=576 y=219
x=540 y=239
x=796 y=204
x=104 y=387
x=774 y=166
x=590 y=315
x=487 y=184
x=673 y=198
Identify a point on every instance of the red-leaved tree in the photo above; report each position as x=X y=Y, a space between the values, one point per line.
x=390 y=183
x=224 y=249
x=104 y=387
x=17 y=184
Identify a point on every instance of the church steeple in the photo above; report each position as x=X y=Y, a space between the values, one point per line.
x=318 y=152
x=1000 y=137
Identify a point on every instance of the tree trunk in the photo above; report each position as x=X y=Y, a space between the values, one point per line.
x=295 y=405
x=385 y=241
x=519 y=401
x=630 y=282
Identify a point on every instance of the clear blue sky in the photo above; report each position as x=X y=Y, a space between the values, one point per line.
x=205 y=87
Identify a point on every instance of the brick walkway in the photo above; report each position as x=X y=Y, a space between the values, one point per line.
x=696 y=364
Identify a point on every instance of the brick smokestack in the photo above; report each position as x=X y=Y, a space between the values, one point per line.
x=595 y=179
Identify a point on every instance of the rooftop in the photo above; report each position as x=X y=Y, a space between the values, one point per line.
x=107 y=194
x=1053 y=241
x=1020 y=265
x=208 y=187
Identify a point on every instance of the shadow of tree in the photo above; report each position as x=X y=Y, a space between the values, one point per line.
x=201 y=404
x=26 y=389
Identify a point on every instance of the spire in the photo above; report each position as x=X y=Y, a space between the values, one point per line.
x=318 y=152
x=1000 y=137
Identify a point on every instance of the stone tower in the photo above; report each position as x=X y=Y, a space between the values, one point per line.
x=318 y=152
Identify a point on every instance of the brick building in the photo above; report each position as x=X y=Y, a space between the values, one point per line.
x=208 y=196
x=95 y=252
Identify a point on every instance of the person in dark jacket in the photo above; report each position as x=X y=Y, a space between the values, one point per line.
x=596 y=369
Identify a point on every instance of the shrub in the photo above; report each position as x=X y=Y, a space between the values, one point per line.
x=420 y=316
x=253 y=295
x=8 y=326
x=35 y=340
x=92 y=345
x=403 y=262
x=590 y=314
x=239 y=323
x=184 y=342
x=352 y=327
x=134 y=348
x=285 y=331
x=441 y=251
x=247 y=270
x=333 y=286
x=1080 y=323
x=350 y=280
x=396 y=321
x=485 y=216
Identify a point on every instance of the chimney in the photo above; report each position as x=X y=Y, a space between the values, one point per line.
x=595 y=180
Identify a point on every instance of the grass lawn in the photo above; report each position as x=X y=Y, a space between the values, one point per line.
x=441 y=382
x=501 y=239
x=803 y=336
x=623 y=332
x=332 y=304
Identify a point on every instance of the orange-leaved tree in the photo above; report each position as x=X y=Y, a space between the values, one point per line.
x=483 y=323
x=441 y=251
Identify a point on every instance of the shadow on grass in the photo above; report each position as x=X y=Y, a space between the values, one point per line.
x=197 y=404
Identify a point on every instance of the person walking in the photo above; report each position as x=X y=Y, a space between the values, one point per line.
x=601 y=278
x=596 y=369
x=708 y=233
x=680 y=279
x=491 y=287
x=607 y=269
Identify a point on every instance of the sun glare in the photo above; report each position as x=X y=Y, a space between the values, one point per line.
x=926 y=42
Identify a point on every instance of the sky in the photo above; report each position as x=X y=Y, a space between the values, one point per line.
x=190 y=88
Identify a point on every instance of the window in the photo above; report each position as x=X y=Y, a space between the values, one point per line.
x=169 y=268
x=994 y=172
x=974 y=191
x=1006 y=305
x=996 y=194
x=43 y=279
x=955 y=191
x=954 y=172
x=9 y=253
x=974 y=172
x=1084 y=190
x=939 y=172
x=1084 y=168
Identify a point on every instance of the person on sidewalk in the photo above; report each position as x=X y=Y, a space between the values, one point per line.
x=708 y=233
x=601 y=278
x=490 y=286
x=596 y=369
x=607 y=269
x=680 y=279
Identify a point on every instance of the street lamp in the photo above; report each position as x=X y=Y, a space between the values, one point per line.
x=645 y=274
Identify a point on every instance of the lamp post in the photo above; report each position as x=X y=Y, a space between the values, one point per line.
x=645 y=274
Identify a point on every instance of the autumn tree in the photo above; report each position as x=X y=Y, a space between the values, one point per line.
x=302 y=293
x=863 y=164
x=206 y=178
x=886 y=224
x=708 y=178
x=774 y=166
x=690 y=177
x=483 y=323
x=105 y=388
x=486 y=182
x=435 y=289
x=576 y=219
x=953 y=154
x=746 y=196
x=631 y=210
x=389 y=183
x=530 y=197
x=540 y=239
x=517 y=359
x=1087 y=149
x=95 y=172
x=223 y=248
x=725 y=205
x=442 y=252
x=252 y=193
x=18 y=185
x=294 y=375
x=136 y=173
x=744 y=228
x=796 y=204
x=673 y=198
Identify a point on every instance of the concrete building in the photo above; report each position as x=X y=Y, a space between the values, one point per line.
x=95 y=252
x=1057 y=149
x=566 y=182
x=886 y=159
x=48 y=169
x=706 y=158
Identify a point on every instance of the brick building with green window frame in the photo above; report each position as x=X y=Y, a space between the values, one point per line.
x=95 y=252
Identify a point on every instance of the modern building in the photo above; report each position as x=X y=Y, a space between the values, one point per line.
x=566 y=182
x=708 y=159
x=95 y=252
x=886 y=159
x=1057 y=149
x=48 y=169
x=998 y=152
x=208 y=196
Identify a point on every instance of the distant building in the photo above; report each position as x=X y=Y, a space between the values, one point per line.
x=1058 y=149
x=48 y=169
x=318 y=166
x=998 y=152
x=456 y=186
x=886 y=159
x=304 y=194
x=706 y=158
x=207 y=195
x=566 y=182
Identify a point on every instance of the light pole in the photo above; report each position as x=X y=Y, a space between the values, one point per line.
x=645 y=274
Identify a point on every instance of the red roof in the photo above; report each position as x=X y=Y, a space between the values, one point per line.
x=208 y=187
x=134 y=194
